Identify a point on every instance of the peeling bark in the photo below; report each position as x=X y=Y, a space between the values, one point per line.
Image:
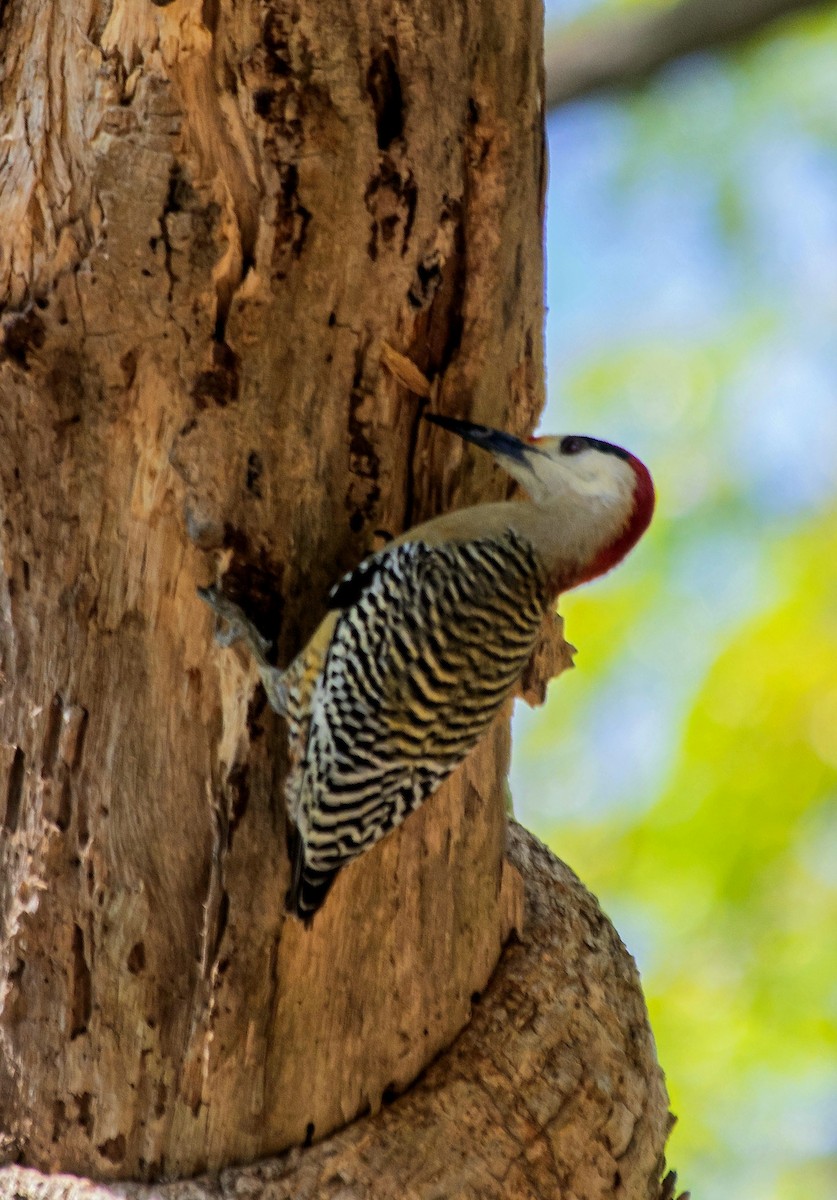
x=219 y=214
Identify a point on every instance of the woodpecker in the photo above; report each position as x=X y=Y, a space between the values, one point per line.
x=425 y=640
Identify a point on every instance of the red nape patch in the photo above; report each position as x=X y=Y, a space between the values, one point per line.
x=638 y=522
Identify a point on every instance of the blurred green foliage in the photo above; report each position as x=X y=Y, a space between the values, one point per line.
x=687 y=770
x=728 y=880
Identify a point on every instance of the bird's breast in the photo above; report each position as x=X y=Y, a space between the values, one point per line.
x=417 y=668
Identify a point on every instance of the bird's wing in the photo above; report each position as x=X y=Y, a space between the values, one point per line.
x=351 y=586
x=428 y=644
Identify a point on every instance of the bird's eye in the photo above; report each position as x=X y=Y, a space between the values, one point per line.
x=572 y=445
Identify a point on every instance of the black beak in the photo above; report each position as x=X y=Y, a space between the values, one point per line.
x=493 y=440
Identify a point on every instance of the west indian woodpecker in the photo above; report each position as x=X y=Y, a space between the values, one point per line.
x=425 y=640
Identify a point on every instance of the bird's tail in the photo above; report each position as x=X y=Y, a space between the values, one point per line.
x=309 y=886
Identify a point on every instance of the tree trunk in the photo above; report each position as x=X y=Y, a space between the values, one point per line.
x=216 y=216
x=553 y=1090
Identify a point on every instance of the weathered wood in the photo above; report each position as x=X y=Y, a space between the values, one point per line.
x=214 y=216
x=552 y=1090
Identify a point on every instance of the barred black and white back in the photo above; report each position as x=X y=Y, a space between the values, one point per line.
x=428 y=638
x=429 y=641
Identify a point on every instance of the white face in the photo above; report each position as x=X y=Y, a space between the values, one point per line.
x=550 y=472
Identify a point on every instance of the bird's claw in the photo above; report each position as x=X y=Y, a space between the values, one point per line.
x=238 y=627
x=226 y=637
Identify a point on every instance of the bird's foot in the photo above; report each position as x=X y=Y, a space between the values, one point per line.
x=236 y=626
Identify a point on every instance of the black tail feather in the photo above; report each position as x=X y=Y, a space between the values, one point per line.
x=309 y=887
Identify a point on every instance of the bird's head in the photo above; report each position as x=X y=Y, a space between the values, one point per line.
x=582 y=477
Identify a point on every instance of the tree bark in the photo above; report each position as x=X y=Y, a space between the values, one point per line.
x=218 y=214
x=621 y=51
x=553 y=1089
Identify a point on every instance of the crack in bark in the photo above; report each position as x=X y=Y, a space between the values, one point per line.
x=383 y=83
x=52 y=735
x=410 y=482
x=82 y=995
x=14 y=790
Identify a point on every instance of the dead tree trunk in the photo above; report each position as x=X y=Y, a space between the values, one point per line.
x=215 y=217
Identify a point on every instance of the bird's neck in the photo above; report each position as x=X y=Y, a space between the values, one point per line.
x=576 y=540
x=573 y=537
